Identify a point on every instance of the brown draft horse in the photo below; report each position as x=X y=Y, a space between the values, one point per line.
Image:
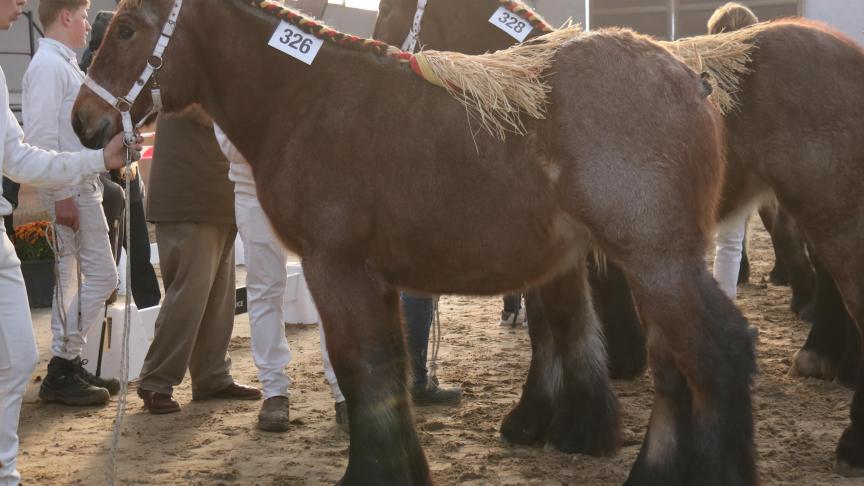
x=380 y=182
x=471 y=33
x=798 y=131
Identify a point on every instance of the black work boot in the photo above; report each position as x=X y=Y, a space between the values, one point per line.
x=63 y=384
x=432 y=394
x=110 y=384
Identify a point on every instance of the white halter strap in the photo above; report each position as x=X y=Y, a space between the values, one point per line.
x=411 y=41
x=154 y=64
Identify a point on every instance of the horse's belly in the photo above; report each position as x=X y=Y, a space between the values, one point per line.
x=492 y=258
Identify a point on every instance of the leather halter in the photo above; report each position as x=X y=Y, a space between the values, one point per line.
x=154 y=64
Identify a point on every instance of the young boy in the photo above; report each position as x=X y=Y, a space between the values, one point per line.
x=23 y=163
x=51 y=84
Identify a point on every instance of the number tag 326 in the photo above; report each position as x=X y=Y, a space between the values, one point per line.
x=516 y=26
x=289 y=39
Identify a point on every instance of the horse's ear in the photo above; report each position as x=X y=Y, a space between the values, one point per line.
x=315 y=8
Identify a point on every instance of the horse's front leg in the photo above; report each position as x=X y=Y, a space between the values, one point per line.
x=367 y=348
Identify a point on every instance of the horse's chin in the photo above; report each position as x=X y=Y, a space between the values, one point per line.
x=96 y=138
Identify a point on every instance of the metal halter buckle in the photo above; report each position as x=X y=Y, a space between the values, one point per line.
x=123 y=105
x=155 y=62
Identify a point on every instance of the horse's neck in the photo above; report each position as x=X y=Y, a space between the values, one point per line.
x=247 y=92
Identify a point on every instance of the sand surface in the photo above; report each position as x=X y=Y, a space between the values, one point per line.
x=214 y=443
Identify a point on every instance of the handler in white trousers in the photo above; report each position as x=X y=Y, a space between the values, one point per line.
x=729 y=242
x=26 y=164
x=266 y=280
x=50 y=87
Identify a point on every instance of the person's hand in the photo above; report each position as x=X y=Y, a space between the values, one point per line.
x=133 y=172
x=115 y=152
x=66 y=213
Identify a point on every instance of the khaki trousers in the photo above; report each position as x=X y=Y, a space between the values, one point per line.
x=194 y=326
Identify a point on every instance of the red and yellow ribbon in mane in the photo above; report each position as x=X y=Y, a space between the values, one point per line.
x=526 y=13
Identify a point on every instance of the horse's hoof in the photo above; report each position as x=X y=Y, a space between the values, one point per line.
x=847 y=470
x=807 y=363
x=523 y=427
x=595 y=439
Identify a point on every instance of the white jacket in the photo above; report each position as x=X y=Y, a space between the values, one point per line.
x=30 y=165
x=49 y=90
x=239 y=172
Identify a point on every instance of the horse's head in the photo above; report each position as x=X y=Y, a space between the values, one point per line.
x=126 y=51
x=447 y=25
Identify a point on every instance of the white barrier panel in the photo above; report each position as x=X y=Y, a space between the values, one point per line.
x=297 y=304
x=141 y=328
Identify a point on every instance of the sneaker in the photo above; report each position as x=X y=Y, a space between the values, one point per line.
x=110 y=384
x=511 y=319
x=342 y=416
x=63 y=384
x=432 y=394
x=274 y=414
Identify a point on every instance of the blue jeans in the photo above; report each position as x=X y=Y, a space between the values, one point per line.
x=418 y=311
x=512 y=303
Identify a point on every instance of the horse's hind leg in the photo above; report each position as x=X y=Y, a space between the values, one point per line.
x=625 y=340
x=839 y=251
x=702 y=358
x=367 y=348
x=567 y=399
x=831 y=350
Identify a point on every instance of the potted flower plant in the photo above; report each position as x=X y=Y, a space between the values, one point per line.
x=37 y=261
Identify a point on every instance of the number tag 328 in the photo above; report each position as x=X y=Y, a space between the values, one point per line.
x=514 y=25
x=289 y=39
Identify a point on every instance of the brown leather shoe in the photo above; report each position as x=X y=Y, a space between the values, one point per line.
x=158 y=403
x=234 y=391
x=274 y=414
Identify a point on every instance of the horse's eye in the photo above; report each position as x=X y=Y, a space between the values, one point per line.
x=125 y=32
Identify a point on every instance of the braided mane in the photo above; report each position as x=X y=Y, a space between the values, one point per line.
x=528 y=14
x=322 y=31
x=495 y=88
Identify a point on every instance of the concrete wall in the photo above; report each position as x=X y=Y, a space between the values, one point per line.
x=846 y=15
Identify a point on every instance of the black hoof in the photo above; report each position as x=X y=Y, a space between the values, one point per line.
x=850 y=453
x=800 y=304
x=593 y=432
x=778 y=276
x=525 y=424
x=807 y=313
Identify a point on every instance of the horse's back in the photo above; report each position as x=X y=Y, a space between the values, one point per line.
x=800 y=122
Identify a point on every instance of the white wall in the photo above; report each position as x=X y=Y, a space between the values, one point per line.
x=846 y=15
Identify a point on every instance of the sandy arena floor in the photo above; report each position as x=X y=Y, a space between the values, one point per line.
x=215 y=443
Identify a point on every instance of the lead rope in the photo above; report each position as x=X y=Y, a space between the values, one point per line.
x=436 y=341
x=410 y=42
x=127 y=315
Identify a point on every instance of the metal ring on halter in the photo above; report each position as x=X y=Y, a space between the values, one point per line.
x=123 y=105
x=154 y=65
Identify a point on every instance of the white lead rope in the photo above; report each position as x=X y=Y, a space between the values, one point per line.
x=127 y=319
x=411 y=41
x=124 y=106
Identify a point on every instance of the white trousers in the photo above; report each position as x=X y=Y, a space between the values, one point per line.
x=90 y=246
x=266 y=280
x=18 y=356
x=727 y=256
